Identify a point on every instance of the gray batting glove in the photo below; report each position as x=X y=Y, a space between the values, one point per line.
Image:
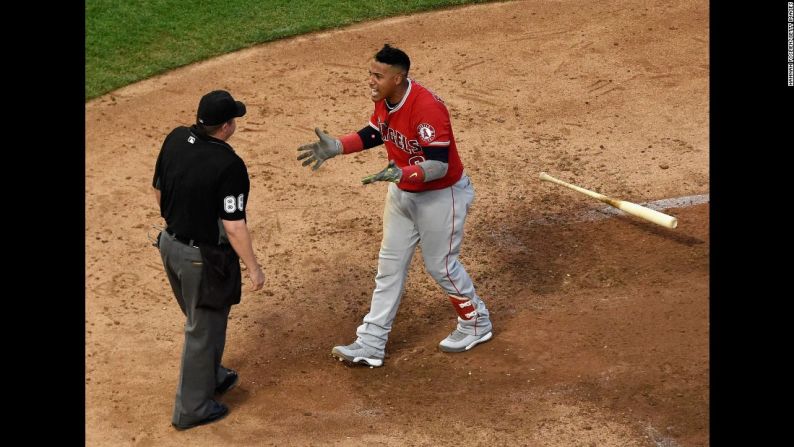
x=327 y=147
x=390 y=173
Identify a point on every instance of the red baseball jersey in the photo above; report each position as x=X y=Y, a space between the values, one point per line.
x=420 y=120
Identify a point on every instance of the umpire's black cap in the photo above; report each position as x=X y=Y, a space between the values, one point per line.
x=217 y=107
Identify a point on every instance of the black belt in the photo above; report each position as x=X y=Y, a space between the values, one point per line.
x=184 y=240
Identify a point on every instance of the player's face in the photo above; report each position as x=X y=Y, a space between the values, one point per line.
x=383 y=80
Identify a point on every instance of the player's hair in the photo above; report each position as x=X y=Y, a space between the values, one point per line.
x=393 y=56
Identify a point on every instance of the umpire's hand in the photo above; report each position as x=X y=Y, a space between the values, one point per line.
x=257 y=278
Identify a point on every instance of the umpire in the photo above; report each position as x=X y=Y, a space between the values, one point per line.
x=202 y=187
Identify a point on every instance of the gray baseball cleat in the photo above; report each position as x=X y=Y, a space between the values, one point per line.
x=355 y=353
x=457 y=341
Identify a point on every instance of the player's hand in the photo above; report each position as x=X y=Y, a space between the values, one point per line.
x=327 y=147
x=390 y=173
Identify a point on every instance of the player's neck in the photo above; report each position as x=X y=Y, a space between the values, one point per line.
x=398 y=94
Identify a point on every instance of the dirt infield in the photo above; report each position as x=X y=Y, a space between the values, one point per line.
x=601 y=327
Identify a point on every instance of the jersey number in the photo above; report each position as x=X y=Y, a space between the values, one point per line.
x=416 y=159
x=231 y=205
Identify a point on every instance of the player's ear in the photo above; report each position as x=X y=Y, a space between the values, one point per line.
x=227 y=126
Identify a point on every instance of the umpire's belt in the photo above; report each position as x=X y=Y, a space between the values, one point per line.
x=184 y=240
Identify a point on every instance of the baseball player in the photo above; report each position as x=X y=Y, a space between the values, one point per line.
x=427 y=201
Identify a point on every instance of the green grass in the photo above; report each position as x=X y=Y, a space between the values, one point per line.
x=130 y=40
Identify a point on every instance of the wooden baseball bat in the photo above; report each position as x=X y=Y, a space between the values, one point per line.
x=631 y=208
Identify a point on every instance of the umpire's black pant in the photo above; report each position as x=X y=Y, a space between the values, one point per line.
x=205 y=334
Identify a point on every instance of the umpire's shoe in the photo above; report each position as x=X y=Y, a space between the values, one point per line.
x=355 y=353
x=457 y=341
x=218 y=412
x=229 y=382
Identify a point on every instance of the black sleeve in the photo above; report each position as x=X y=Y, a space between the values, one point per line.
x=156 y=179
x=233 y=192
x=370 y=137
x=158 y=166
x=440 y=153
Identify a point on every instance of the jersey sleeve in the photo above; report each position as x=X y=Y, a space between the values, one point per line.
x=233 y=190
x=157 y=170
x=158 y=167
x=432 y=124
x=438 y=153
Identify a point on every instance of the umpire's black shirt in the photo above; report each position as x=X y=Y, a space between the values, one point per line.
x=200 y=179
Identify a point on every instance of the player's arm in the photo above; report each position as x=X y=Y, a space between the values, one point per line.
x=433 y=168
x=436 y=162
x=364 y=139
x=329 y=147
